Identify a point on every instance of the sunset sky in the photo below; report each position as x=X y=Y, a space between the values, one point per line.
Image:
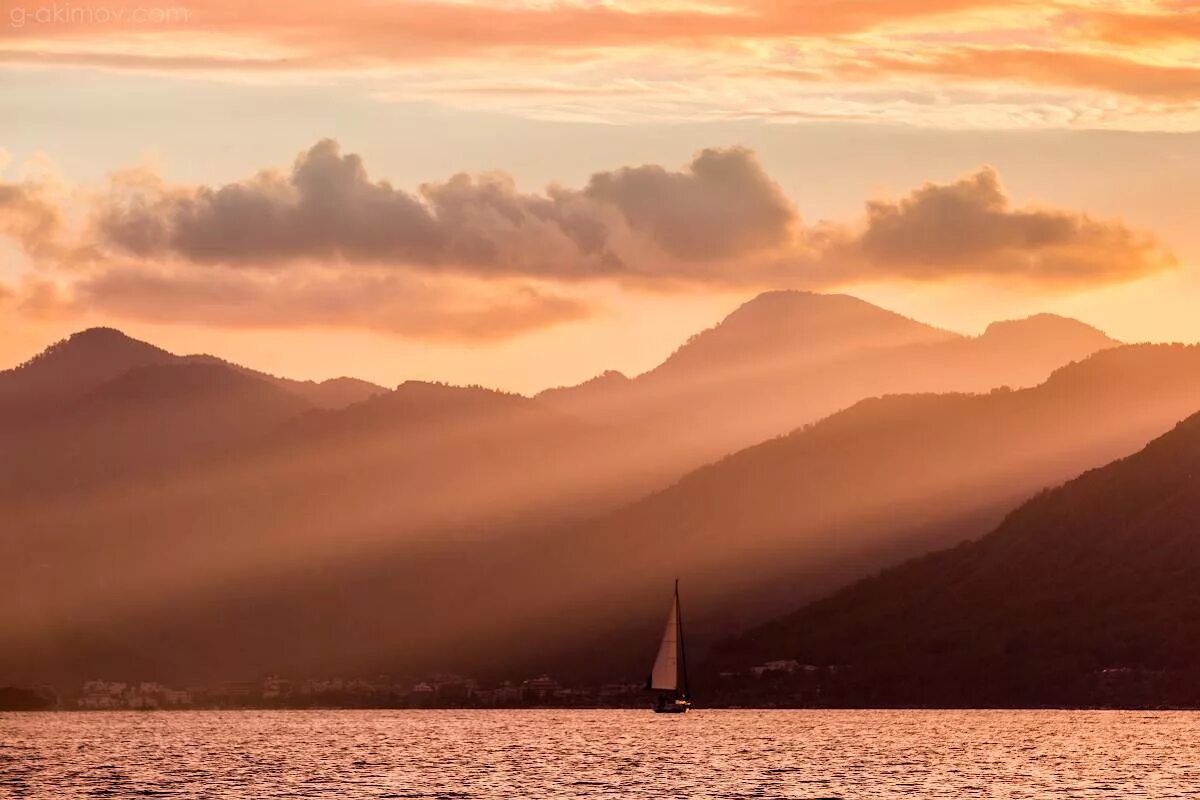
x=524 y=194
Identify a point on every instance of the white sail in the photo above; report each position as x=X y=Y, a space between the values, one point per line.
x=665 y=675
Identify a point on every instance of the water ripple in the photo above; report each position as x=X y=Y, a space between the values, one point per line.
x=484 y=755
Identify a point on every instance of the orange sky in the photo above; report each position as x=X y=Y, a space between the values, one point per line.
x=524 y=194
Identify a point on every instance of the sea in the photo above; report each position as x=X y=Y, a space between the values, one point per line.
x=599 y=754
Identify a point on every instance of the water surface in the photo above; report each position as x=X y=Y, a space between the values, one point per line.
x=612 y=754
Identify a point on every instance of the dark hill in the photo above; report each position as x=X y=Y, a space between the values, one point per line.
x=148 y=420
x=336 y=566
x=333 y=393
x=1088 y=594
x=70 y=368
x=333 y=532
x=459 y=528
x=797 y=516
x=348 y=542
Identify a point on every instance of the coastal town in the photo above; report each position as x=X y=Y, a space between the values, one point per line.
x=441 y=690
x=803 y=682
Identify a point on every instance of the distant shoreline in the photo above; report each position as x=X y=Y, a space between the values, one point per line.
x=646 y=707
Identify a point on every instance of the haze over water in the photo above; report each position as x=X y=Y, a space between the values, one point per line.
x=547 y=753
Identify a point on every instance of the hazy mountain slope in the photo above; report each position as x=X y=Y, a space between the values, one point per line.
x=786 y=359
x=888 y=478
x=336 y=393
x=148 y=420
x=774 y=334
x=442 y=456
x=333 y=393
x=1089 y=593
x=784 y=328
x=396 y=529
x=326 y=573
x=331 y=509
x=595 y=399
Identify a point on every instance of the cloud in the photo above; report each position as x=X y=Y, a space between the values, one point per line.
x=473 y=256
x=703 y=59
x=362 y=32
x=1105 y=72
x=390 y=303
x=719 y=219
x=1179 y=22
x=968 y=228
x=31 y=216
x=631 y=222
x=326 y=208
x=722 y=206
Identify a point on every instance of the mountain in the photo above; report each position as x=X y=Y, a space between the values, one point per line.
x=787 y=520
x=69 y=369
x=1087 y=594
x=595 y=399
x=333 y=393
x=348 y=541
x=100 y=408
x=788 y=358
x=390 y=533
x=444 y=457
x=779 y=329
x=330 y=531
x=148 y=420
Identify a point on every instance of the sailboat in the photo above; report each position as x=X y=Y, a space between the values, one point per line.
x=669 y=675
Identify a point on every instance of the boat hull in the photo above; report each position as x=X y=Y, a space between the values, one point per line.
x=676 y=707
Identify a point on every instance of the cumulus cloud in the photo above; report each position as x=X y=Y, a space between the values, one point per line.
x=718 y=219
x=325 y=208
x=325 y=244
x=720 y=206
x=968 y=227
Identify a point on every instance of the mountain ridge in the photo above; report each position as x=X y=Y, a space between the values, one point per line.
x=289 y=551
x=784 y=359
x=1109 y=569
x=85 y=360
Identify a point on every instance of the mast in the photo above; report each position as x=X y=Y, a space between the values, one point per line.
x=679 y=636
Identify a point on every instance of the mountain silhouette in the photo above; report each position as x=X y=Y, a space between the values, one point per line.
x=888 y=478
x=788 y=358
x=149 y=419
x=332 y=393
x=460 y=527
x=101 y=407
x=779 y=328
x=1087 y=594
x=69 y=369
x=333 y=545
